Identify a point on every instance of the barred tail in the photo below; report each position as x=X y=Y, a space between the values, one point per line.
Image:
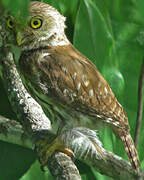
x=131 y=151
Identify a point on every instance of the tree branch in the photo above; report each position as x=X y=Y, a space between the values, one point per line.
x=11 y=131
x=56 y=164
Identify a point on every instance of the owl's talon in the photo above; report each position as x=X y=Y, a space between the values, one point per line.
x=45 y=150
x=68 y=152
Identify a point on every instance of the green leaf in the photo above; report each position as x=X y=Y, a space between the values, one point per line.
x=92 y=36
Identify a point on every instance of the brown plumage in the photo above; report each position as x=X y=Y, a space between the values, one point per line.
x=65 y=83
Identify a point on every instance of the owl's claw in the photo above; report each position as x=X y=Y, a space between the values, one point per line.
x=46 y=149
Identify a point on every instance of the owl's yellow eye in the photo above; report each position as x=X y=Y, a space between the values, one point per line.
x=10 y=23
x=35 y=23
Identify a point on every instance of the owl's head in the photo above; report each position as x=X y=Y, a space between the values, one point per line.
x=45 y=26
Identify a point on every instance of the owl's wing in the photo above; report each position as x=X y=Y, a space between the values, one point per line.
x=73 y=80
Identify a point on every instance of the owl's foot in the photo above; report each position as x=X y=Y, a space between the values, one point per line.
x=45 y=149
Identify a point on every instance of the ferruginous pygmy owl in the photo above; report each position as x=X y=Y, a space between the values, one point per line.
x=65 y=83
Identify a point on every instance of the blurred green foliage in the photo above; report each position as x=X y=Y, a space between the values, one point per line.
x=16 y=8
x=111 y=34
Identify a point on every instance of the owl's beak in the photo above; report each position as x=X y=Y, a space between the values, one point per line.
x=20 y=38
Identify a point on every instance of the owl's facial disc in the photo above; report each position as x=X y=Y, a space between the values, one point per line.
x=25 y=36
x=45 y=27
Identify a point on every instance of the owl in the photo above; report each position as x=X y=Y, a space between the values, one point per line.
x=70 y=89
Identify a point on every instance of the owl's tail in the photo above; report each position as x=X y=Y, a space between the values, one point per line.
x=131 y=150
